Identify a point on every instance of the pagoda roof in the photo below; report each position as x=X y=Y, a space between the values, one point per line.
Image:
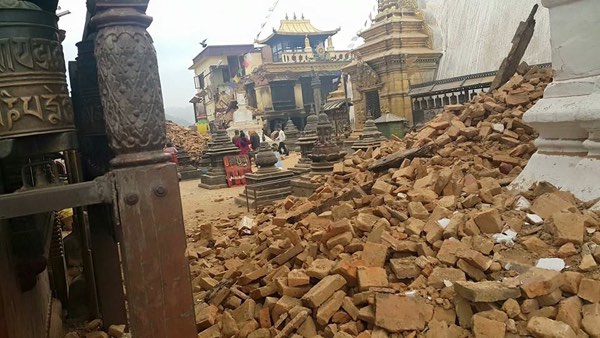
x=297 y=27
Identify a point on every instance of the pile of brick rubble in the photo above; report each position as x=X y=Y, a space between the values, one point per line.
x=432 y=244
x=436 y=246
x=187 y=139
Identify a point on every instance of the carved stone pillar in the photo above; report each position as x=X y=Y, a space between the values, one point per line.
x=568 y=117
x=153 y=239
x=130 y=87
x=316 y=86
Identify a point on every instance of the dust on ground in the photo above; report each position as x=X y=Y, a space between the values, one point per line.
x=202 y=204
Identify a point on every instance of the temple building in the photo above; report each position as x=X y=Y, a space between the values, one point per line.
x=397 y=53
x=282 y=84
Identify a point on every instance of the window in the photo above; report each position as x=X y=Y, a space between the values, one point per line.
x=307 y=93
x=200 y=110
x=278 y=52
x=251 y=96
x=233 y=62
x=283 y=95
x=242 y=71
x=372 y=103
x=199 y=81
x=226 y=75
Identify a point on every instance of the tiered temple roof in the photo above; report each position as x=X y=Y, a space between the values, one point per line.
x=296 y=28
x=398 y=28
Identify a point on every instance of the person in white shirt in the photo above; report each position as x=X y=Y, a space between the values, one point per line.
x=282 y=148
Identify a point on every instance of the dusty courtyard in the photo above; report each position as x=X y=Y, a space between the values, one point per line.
x=202 y=204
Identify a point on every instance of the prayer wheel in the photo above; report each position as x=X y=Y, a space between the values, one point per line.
x=34 y=97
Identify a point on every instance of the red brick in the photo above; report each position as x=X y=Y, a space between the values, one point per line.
x=374 y=255
x=396 y=313
x=372 y=277
x=323 y=290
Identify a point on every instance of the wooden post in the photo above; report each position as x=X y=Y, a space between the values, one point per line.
x=153 y=241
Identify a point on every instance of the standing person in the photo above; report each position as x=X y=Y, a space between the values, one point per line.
x=255 y=144
x=281 y=142
x=171 y=150
x=254 y=140
x=243 y=144
x=235 y=137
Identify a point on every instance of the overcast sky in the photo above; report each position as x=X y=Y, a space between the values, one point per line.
x=179 y=26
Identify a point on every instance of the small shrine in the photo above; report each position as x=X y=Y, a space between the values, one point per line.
x=186 y=168
x=325 y=152
x=268 y=183
x=306 y=142
x=291 y=134
x=337 y=107
x=243 y=119
x=218 y=148
x=370 y=137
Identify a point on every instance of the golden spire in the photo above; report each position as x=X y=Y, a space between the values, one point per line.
x=410 y=5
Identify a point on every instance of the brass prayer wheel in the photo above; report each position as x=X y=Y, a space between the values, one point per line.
x=34 y=97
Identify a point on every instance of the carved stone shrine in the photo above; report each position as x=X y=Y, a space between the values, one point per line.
x=325 y=152
x=219 y=147
x=291 y=135
x=268 y=183
x=370 y=137
x=306 y=142
x=185 y=167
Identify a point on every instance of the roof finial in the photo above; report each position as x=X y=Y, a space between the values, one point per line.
x=286 y=16
x=302 y=16
x=295 y=18
x=307 y=47
x=330 y=44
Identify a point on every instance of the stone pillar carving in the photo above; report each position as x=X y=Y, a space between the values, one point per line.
x=153 y=242
x=568 y=117
x=130 y=86
x=316 y=86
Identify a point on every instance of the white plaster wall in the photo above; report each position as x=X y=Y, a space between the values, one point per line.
x=475 y=35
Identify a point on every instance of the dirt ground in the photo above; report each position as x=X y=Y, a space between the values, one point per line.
x=202 y=204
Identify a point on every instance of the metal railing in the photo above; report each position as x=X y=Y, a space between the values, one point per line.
x=464 y=78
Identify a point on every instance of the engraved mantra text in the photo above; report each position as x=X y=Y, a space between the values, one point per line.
x=31 y=53
x=12 y=109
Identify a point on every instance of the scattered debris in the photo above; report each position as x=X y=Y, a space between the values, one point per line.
x=555 y=264
x=246 y=226
x=188 y=140
x=417 y=237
